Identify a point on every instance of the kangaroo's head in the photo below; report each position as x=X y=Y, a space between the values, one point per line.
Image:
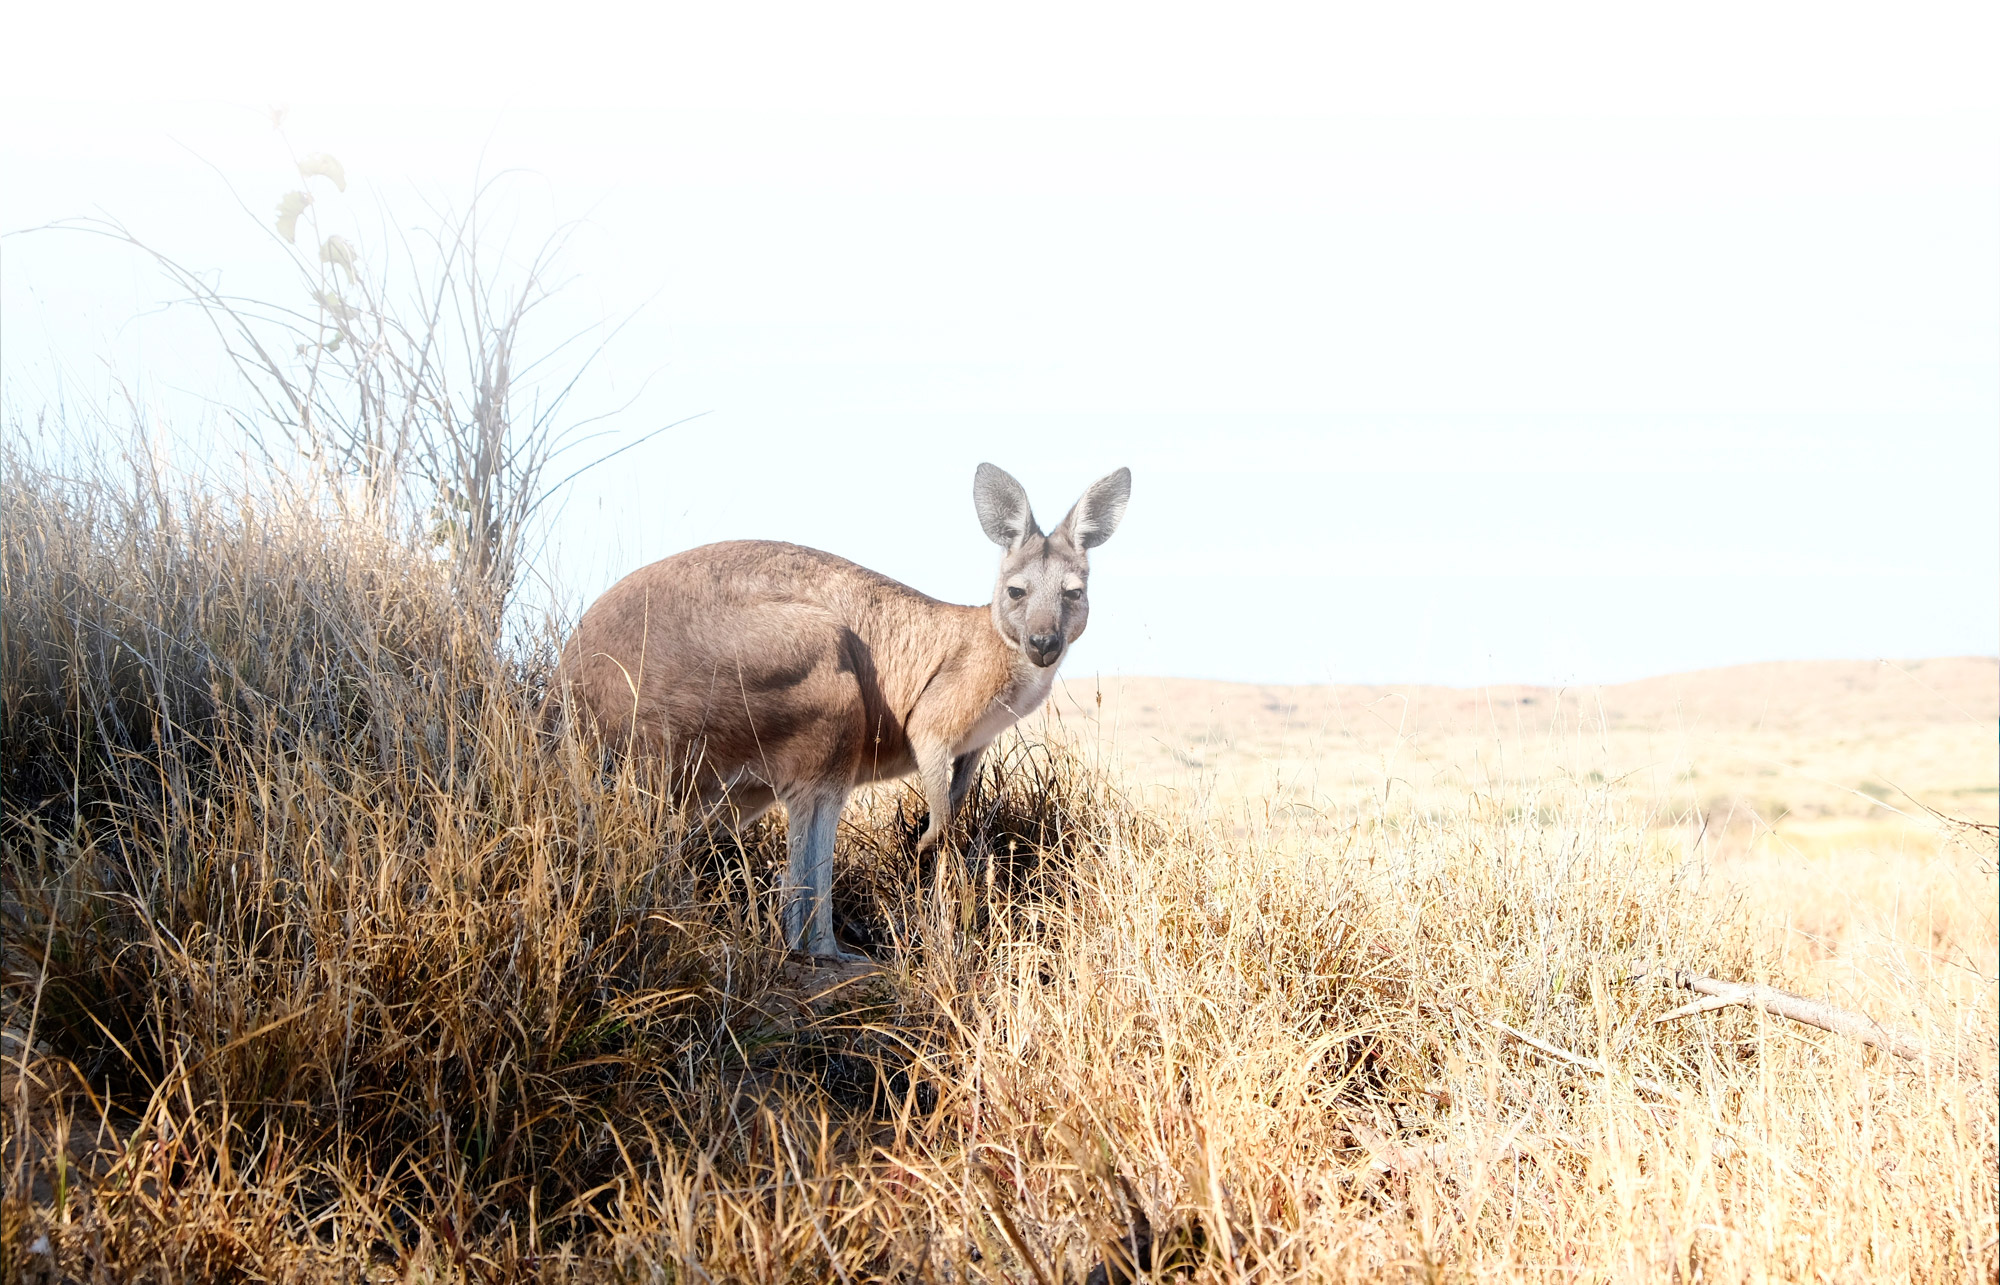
x=1041 y=601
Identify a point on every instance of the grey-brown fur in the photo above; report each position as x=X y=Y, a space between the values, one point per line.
x=763 y=672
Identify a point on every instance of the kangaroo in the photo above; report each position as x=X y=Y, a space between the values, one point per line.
x=764 y=673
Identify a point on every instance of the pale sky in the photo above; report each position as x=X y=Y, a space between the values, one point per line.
x=1445 y=343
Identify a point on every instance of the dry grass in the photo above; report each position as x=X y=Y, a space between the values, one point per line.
x=321 y=966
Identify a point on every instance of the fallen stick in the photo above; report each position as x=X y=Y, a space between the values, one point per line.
x=1902 y=1042
x=1587 y=1063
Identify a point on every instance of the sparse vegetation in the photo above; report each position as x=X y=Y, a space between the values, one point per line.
x=320 y=964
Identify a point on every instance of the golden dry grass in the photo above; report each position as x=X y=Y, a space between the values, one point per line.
x=321 y=967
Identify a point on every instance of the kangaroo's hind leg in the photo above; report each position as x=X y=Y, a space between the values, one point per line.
x=812 y=821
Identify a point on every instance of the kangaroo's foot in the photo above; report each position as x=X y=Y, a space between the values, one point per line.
x=829 y=951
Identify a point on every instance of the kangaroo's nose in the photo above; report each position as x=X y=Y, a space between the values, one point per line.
x=1046 y=647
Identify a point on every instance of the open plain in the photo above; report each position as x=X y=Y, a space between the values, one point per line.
x=1792 y=752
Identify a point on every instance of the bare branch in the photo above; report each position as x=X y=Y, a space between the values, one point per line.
x=416 y=376
x=1587 y=1063
x=612 y=455
x=1901 y=1041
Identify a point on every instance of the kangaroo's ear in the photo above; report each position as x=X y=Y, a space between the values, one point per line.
x=1003 y=507
x=1097 y=514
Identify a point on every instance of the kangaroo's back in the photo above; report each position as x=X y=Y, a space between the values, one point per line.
x=758 y=654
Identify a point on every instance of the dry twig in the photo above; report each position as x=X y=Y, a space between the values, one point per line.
x=1901 y=1041
x=1587 y=1063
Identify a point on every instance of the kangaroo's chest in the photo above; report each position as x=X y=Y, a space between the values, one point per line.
x=1022 y=696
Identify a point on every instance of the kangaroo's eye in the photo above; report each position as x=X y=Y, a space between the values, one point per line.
x=1072 y=594
x=1016 y=592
